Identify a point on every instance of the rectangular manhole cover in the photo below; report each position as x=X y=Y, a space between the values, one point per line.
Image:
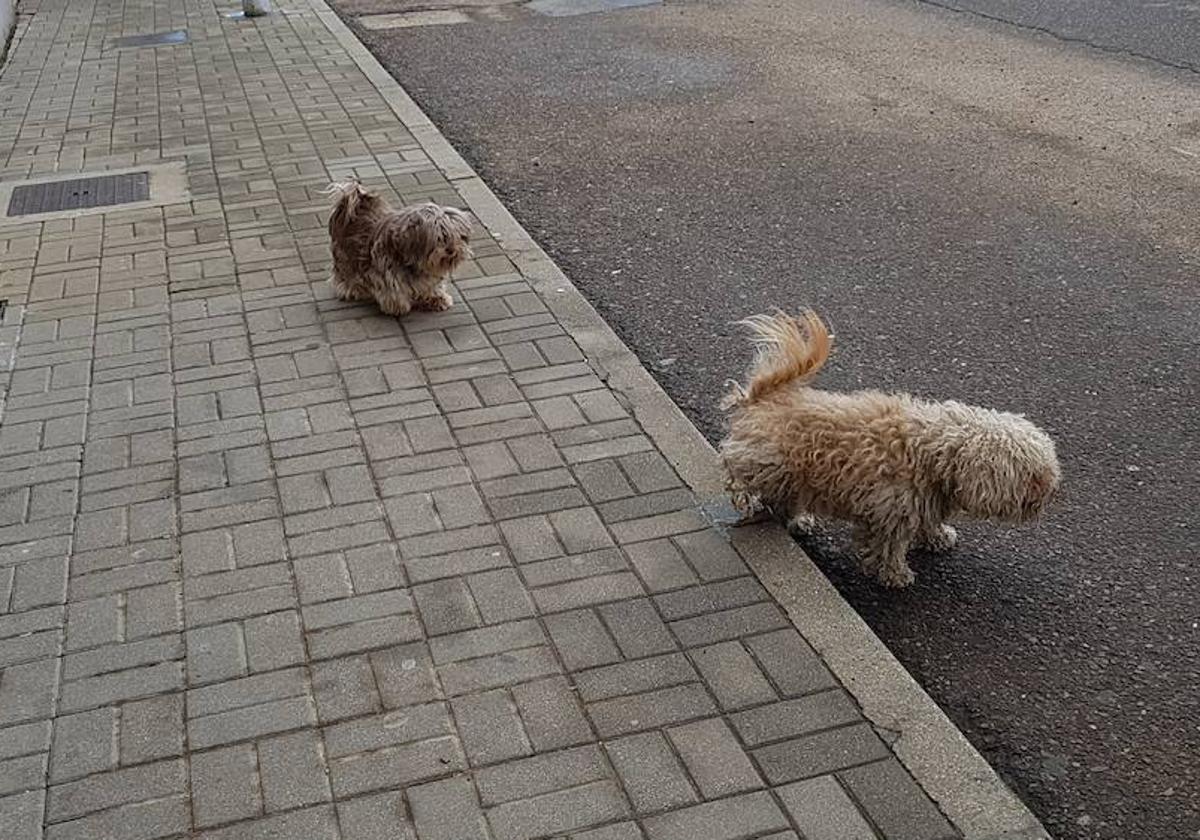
x=156 y=39
x=79 y=193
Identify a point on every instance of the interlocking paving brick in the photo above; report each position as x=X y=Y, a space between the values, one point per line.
x=225 y=785
x=747 y=815
x=293 y=772
x=381 y=816
x=895 y=803
x=551 y=713
x=529 y=777
x=447 y=810
x=822 y=810
x=84 y=743
x=713 y=758
x=490 y=727
x=650 y=773
x=732 y=676
x=790 y=662
x=799 y=716
x=819 y=753
x=558 y=812
x=581 y=639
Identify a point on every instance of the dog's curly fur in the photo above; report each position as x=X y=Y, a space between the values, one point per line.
x=895 y=466
x=400 y=258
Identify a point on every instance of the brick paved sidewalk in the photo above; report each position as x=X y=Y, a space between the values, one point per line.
x=272 y=565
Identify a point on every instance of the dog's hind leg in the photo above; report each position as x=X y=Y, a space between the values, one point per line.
x=883 y=554
x=394 y=301
x=347 y=287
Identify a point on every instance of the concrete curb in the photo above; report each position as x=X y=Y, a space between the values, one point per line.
x=935 y=752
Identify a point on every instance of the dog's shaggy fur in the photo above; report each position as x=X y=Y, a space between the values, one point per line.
x=400 y=258
x=895 y=466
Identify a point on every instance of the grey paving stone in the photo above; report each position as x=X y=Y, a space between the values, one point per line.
x=661 y=565
x=273 y=641
x=490 y=727
x=214 y=653
x=710 y=597
x=714 y=759
x=381 y=816
x=21 y=815
x=316 y=823
x=651 y=710
x=635 y=677
x=794 y=717
x=531 y=538
x=580 y=530
x=747 y=815
x=151 y=728
x=710 y=555
x=575 y=567
x=637 y=628
x=25 y=739
x=732 y=676
x=396 y=766
x=344 y=688
x=129 y=684
x=614 y=831
x=715 y=627
x=251 y=722
x=405 y=675
x=163 y=817
x=118 y=787
x=447 y=810
x=529 y=777
x=26 y=772
x=500 y=596
x=587 y=592
x=581 y=640
x=404 y=726
x=558 y=812
x=894 y=802
x=225 y=785
x=504 y=669
x=292 y=770
x=652 y=776
x=822 y=810
x=552 y=716
x=485 y=641
x=84 y=743
x=791 y=663
x=819 y=753
x=446 y=606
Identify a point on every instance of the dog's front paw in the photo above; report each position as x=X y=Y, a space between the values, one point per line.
x=802 y=525
x=896 y=577
x=439 y=302
x=944 y=539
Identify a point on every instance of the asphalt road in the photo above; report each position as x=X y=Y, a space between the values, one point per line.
x=984 y=212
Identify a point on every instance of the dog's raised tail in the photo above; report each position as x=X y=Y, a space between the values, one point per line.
x=790 y=349
x=346 y=195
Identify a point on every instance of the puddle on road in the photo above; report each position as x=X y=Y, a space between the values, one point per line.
x=468 y=11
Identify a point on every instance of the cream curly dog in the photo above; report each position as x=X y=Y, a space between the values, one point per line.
x=895 y=466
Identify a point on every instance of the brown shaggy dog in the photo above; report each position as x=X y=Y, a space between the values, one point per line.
x=400 y=258
x=895 y=466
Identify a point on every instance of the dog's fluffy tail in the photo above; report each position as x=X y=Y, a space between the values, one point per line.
x=347 y=196
x=790 y=349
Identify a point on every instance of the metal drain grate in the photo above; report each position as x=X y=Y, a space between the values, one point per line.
x=76 y=194
x=157 y=39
